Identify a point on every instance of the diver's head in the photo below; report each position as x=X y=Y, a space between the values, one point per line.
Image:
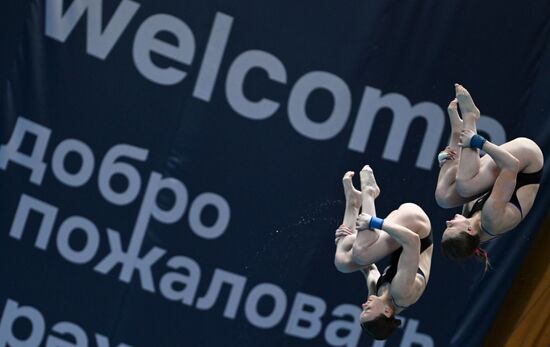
x=378 y=318
x=460 y=239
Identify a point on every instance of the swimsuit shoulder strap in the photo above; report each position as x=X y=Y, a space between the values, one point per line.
x=478 y=204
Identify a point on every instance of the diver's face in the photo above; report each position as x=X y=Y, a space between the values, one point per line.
x=456 y=225
x=372 y=308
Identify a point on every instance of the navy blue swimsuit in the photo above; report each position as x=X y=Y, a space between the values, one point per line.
x=391 y=270
x=522 y=179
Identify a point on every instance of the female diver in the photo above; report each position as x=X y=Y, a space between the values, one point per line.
x=363 y=239
x=497 y=190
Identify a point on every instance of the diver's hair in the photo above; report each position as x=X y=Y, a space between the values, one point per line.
x=381 y=327
x=464 y=245
x=483 y=257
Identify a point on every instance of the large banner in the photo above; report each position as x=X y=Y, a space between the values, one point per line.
x=170 y=171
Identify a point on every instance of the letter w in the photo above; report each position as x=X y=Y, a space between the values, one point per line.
x=98 y=43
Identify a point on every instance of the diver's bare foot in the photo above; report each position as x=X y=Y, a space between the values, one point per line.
x=470 y=113
x=454 y=117
x=368 y=182
x=353 y=196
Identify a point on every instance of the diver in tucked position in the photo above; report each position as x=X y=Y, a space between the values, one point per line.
x=497 y=190
x=363 y=239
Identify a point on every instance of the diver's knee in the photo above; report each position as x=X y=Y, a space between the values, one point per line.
x=442 y=199
x=464 y=187
x=342 y=266
x=358 y=254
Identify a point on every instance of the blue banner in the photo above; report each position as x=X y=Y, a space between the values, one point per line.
x=170 y=172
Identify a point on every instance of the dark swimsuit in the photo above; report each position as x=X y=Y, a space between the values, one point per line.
x=522 y=179
x=391 y=270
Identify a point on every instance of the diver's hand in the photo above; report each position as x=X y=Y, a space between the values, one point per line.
x=363 y=222
x=465 y=138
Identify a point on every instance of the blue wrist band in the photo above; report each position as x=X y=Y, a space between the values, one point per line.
x=477 y=141
x=376 y=223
